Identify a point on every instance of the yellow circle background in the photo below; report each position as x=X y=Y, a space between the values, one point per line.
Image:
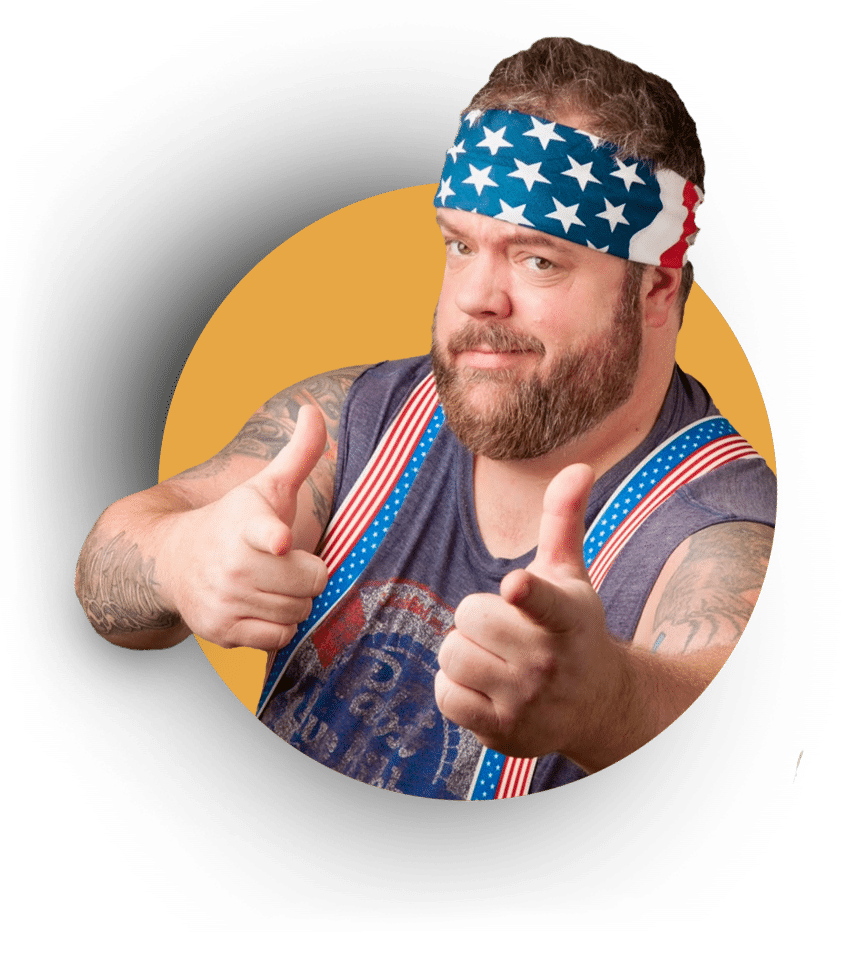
x=356 y=287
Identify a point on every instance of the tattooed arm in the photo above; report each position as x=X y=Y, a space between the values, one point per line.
x=707 y=590
x=225 y=548
x=690 y=625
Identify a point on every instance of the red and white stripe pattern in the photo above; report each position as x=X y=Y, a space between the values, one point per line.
x=516 y=775
x=377 y=480
x=667 y=238
x=721 y=451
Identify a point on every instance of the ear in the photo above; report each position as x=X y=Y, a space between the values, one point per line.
x=661 y=288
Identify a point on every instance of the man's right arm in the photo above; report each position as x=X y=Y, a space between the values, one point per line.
x=224 y=549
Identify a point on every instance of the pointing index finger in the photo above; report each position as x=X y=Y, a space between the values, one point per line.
x=543 y=602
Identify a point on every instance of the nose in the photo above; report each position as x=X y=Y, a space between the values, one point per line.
x=481 y=291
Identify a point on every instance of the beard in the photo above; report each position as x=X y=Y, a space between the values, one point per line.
x=534 y=416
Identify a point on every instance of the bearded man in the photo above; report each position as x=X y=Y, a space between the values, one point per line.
x=492 y=570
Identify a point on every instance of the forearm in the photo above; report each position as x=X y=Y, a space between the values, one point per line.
x=649 y=692
x=118 y=581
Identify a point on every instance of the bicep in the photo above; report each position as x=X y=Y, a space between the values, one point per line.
x=707 y=589
x=263 y=436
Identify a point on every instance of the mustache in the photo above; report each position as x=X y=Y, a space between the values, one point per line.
x=494 y=337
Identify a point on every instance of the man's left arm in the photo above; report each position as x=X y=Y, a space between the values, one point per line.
x=534 y=670
x=692 y=621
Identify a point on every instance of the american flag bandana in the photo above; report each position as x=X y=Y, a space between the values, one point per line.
x=527 y=171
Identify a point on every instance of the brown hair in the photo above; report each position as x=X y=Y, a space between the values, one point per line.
x=636 y=110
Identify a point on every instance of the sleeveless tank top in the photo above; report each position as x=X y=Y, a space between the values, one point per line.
x=357 y=695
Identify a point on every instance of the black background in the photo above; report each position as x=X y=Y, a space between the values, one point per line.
x=139 y=229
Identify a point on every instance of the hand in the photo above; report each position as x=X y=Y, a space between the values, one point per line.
x=534 y=670
x=230 y=568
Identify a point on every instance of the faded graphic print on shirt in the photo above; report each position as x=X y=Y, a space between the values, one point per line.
x=358 y=696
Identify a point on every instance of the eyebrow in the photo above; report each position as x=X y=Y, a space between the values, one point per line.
x=522 y=236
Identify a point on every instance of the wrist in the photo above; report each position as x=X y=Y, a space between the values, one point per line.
x=167 y=541
x=615 y=718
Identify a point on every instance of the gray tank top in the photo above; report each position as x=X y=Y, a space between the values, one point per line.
x=357 y=695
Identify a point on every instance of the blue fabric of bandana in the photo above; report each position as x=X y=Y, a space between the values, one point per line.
x=527 y=171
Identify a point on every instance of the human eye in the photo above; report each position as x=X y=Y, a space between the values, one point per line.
x=456 y=247
x=538 y=263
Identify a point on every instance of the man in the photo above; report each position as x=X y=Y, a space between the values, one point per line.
x=518 y=560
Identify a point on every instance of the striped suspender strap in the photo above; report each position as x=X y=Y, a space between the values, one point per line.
x=367 y=512
x=692 y=452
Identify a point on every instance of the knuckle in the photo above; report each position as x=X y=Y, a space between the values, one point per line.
x=285 y=637
x=530 y=680
x=229 y=638
x=463 y=609
x=447 y=651
x=440 y=687
x=304 y=574
x=542 y=664
x=230 y=574
x=297 y=610
x=470 y=611
x=322 y=577
x=516 y=701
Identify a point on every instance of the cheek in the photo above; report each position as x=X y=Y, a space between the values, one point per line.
x=572 y=319
x=444 y=295
x=447 y=316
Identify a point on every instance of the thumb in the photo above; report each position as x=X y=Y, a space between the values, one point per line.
x=561 y=530
x=280 y=480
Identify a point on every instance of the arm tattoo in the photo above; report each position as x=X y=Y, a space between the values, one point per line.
x=267 y=431
x=710 y=597
x=118 y=590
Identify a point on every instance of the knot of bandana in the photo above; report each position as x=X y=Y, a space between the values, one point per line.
x=527 y=171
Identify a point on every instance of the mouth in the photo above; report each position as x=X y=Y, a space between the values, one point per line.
x=485 y=358
x=493 y=344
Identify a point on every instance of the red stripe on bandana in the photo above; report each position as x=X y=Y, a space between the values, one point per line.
x=674 y=257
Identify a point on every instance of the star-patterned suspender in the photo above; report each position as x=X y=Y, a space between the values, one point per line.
x=367 y=512
x=692 y=452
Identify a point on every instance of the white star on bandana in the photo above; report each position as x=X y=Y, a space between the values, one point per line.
x=627 y=174
x=494 y=140
x=472 y=116
x=613 y=215
x=479 y=178
x=593 y=139
x=544 y=132
x=529 y=172
x=582 y=173
x=445 y=191
x=515 y=216
x=565 y=214
x=455 y=149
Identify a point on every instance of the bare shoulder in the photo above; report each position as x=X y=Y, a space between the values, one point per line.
x=707 y=590
x=266 y=432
